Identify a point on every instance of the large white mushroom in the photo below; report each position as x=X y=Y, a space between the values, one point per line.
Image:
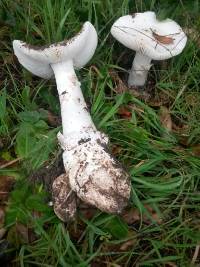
x=151 y=39
x=95 y=176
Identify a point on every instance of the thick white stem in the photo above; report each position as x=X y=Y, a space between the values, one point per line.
x=92 y=173
x=139 y=71
x=74 y=112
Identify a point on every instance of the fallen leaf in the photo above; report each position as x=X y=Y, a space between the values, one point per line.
x=165 y=118
x=163 y=39
x=124 y=112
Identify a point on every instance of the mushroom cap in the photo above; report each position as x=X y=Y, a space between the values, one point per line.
x=38 y=60
x=143 y=33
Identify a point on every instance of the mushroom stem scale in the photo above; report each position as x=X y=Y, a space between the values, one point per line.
x=74 y=112
x=139 y=71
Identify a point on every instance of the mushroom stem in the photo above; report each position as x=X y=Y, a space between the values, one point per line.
x=95 y=176
x=139 y=71
x=74 y=112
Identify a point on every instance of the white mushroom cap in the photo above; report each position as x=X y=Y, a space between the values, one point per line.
x=143 y=33
x=79 y=48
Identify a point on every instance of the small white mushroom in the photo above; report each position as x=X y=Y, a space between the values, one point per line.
x=93 y=174
x=151 y=39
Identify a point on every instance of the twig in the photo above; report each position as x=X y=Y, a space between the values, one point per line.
x=9 y=163
x=196 y=254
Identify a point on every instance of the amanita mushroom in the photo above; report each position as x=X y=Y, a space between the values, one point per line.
x=151 y=39
x=95 y=176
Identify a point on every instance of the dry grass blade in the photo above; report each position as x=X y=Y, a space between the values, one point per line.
x=8 y=164
x=196 y=254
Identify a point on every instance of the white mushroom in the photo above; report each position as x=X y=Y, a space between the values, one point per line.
x=93 y=174
x=151 y=39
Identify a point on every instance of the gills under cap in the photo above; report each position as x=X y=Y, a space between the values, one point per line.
x=38 y=60
x=143 y=33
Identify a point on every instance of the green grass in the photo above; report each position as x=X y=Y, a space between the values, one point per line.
x=164 y=166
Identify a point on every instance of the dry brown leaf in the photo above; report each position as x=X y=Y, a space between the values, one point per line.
x=124 y=112
x=165 y=118
x=163 y=39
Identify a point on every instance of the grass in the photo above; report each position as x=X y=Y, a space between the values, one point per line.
x=164 y=165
